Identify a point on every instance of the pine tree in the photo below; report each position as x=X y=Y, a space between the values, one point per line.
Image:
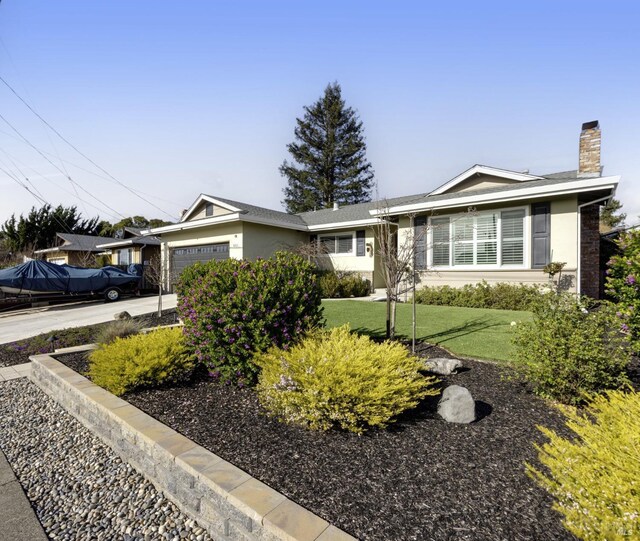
x=329 y=153
x=610 y=217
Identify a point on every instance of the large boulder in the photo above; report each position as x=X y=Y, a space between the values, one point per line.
x=443 y=366
x=457 y=405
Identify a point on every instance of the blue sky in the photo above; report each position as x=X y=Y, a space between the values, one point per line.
x=178 y=98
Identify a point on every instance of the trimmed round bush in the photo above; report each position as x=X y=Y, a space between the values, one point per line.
x=141 y=360
x=569 y=351
x=337 y=378
x=342 y=285
x=232 y=309
x=595 y=476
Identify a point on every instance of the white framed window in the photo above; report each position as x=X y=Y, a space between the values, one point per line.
x=125 y=256
x=491 y=239
x=341 y=244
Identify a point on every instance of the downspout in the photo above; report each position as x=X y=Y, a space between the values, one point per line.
x=580 y=207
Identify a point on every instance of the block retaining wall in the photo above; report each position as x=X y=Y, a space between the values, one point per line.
x=222 y=498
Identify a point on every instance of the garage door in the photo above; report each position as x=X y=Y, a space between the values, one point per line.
x=188 y=255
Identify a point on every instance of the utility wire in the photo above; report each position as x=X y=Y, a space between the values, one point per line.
x=98 y=175
x=56 y=167
x=78 y=150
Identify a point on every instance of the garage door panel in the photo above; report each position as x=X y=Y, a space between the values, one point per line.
x=185 y=256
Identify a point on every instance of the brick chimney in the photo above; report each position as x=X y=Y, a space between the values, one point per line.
x=589 y=161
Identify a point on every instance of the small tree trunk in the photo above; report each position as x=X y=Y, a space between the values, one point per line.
x=160 y=300
x=388 y=330
x=413 y=311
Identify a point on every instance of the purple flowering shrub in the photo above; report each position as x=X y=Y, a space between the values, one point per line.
x=232 y=309
x=623 y=284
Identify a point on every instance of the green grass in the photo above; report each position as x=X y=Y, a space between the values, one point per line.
x=471 y=332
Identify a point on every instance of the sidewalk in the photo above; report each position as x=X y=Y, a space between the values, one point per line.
x=18 y=520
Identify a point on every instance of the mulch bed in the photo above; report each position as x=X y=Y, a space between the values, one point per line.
x=421 y=478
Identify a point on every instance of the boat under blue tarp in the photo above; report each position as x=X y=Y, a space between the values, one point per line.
x=40 y=277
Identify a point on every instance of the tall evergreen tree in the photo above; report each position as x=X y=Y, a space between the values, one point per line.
x=329 y=157
x=38 y=229
x=610 y=215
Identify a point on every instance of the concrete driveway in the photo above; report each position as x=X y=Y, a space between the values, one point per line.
x=33 y=321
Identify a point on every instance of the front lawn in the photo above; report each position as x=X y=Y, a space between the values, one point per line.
x=472 y=332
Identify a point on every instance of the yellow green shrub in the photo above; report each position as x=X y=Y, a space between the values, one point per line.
x=595 y=477
x=142 y=360
x=336 y=378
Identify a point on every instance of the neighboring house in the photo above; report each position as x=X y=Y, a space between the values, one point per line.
x=70 y=249
x=485 y=224
x=131 y=246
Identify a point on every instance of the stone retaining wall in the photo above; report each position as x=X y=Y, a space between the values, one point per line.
x=225 y=500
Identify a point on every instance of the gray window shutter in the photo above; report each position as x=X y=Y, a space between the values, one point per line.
x=360 y=247
x=420 y=236
x=540 y=235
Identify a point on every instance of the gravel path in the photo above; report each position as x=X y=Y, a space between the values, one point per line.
x=79 y=488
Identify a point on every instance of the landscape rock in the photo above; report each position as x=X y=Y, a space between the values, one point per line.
x=457 y=405
x=443 y=366
x=122 y=315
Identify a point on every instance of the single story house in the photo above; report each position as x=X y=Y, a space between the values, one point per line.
x=131 y=246
x=71 y=249
x=485 y=224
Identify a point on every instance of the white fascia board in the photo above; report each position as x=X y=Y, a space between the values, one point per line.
x=115 y=244
x=202 y=197
x=517 y=194
x=48 y=250
x=204 y=222
x=345 y=225
x=266 y=221
x=483 y=170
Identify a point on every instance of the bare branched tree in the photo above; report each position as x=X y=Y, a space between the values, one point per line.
x=397 y=260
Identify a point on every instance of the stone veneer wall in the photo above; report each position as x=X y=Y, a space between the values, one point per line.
x=590 y=251
x=225 y=500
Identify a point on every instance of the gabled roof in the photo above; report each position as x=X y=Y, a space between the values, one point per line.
x=478 y=169
x=143 y=240
x=77 y=243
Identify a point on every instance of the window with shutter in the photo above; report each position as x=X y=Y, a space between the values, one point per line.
x=360 y=243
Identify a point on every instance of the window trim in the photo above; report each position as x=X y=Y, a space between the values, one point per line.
x=526 y=264
x=352 y=253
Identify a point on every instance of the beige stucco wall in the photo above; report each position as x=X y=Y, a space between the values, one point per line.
x=564 y=231
x=57 y=256
x=200 y=212
x=231 y=233
x=263 y=240
x=481 y=182
x=564 y=227
x=346 y=262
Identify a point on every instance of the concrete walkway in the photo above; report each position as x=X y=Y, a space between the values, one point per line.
x=33 y=321
x=18 y=520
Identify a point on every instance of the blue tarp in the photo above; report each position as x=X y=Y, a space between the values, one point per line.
x=41 y=276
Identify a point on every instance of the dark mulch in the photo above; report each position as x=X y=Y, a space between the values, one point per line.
x=18 y=352
x=420 y=479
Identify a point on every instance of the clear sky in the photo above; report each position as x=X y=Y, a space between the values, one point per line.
x=178 y=98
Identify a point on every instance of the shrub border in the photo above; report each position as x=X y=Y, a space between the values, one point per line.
x=223 y=499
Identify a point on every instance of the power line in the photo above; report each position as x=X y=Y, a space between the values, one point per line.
x=78 y=150
x=56 y=167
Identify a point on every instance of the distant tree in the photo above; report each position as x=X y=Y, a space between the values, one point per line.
x=107 y=229
x=610 y=217
x=329 y=157
x=38 y=229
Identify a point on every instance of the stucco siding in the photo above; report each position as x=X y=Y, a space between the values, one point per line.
x=263 y=240
x=364 y=265
x=481 y=182
x=461 y=278
x=564 y=231
x=200 y=212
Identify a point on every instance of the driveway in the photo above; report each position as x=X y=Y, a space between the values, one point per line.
x=31 y=322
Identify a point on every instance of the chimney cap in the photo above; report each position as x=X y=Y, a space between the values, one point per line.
x=594 y=124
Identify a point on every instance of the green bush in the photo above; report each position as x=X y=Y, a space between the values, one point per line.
x=342 y=285
x=568 y=350
x=141 y=360
x=117 y=329
x=232 y=309
x=595 y=477
x=500 y=296
x=338 y=378
x=622 y=284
